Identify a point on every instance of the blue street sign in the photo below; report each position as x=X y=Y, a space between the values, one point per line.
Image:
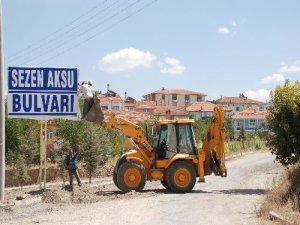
x=42 y=93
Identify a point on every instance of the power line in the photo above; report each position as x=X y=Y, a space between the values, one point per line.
x=64 y=39
x=58 y=30
x=99 y=33
x=82 y=33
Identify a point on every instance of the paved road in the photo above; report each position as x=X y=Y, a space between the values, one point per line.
x=231 y=200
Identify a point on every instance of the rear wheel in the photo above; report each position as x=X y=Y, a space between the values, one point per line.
x=131 y=176
x=181 y=177
x=165 y=184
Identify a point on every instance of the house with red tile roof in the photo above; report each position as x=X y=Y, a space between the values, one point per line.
x=175 y=112
x=251 y=119
x=199 y=110
x=111 y=103
x=238 y=104
x=175 y=97
x=129 y=104
x=145 y=106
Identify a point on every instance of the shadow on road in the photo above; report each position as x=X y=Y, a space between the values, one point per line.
x=243 y=191
x=147 y=191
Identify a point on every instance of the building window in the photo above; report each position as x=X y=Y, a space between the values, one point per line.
x=237 y=109
x=130 y=108
x=146 y=110
x=199 y=98
x=239 y=124
x=259 y=124
x=187 y=98
x=115 y=108
x=104 y=107
x=252 y=123
x=174 y=98
x=163 y=97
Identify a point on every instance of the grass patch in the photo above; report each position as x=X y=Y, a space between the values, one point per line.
x=284 y=196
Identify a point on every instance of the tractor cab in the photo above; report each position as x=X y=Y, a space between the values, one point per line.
x=175 y=136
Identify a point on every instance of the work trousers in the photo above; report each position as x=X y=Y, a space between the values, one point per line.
x=71 y=173
x=87 y=105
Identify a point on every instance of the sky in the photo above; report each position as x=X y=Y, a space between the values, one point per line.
x=216 y=47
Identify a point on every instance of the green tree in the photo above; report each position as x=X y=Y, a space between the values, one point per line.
x=96 y=148
x=200 y=128
x=242 y=136
x=228 y=124
x=116 y=141
x=72 y=131
x=13 y=134
x=22 y=138
x=283 y=122
x=29 y=148
x=60 y=157
x=22 y=172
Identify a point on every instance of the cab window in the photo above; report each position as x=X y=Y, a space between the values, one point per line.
x=186 y=143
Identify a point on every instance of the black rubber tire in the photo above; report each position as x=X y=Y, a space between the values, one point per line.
x=115 y=178
x=120 y=161
x=171 y=177
x=165 y=184
x=121 y=179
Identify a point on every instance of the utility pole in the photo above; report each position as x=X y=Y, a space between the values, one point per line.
x=2 y=114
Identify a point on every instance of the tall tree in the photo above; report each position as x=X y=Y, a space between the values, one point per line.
x=96 y=148
x=200 y=128
x=283 y=122
x=72 y=131
x=242 y=136
x=22 y=172
x=22 y=138
x=228 y=124
x=60 y=157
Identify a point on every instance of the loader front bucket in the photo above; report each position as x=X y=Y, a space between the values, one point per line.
x=95 y=114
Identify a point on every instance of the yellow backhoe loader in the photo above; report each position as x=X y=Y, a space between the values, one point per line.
x=172 y=156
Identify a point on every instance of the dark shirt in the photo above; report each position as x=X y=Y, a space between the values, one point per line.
x=70 y=161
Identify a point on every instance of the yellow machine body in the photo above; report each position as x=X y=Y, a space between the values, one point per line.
x=177 y=172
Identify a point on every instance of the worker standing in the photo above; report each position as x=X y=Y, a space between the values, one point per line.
x=87 y=91
x=71 y=165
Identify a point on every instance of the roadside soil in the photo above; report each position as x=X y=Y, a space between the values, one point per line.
x=232 y=200
x=53 y=173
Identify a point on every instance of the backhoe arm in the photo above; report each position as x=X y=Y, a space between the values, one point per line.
x=128 y=129
x=213 y=145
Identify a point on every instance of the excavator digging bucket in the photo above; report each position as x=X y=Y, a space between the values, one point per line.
x=95 y=114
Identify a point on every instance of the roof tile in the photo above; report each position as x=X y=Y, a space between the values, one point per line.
x=239 y=100
x=251 y=113
x=201 y=106
x=106 y=99
x=176 y=91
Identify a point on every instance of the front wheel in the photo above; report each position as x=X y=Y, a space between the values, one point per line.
x=115 y=178
x=181 y=177
x=131 y=176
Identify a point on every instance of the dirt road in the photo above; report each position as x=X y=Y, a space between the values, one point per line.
x=231 y=200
